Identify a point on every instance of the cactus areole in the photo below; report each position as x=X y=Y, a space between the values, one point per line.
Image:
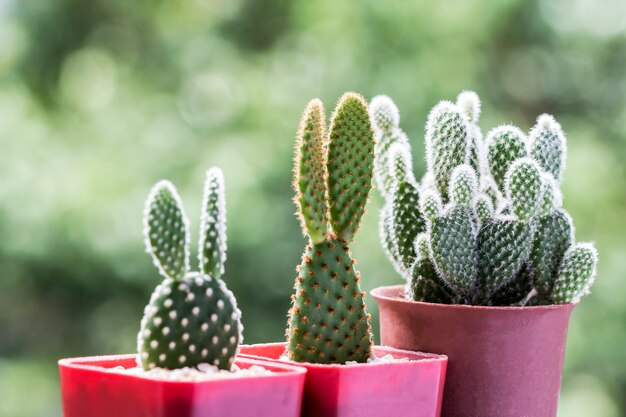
x=192 y=317
x=489 y=212
x=333 y=169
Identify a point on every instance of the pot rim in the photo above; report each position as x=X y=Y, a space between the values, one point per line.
x=425 y=357
x=382 y=294
x=90 y=363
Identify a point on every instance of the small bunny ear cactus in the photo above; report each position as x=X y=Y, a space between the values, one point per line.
x=192 y=317
x=489 y=227
x=328 y=322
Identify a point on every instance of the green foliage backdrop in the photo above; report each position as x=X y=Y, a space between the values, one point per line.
x=100 y=99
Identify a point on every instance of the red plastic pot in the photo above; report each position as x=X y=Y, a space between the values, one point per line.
x=504 y=361
x=88 y=389
x=381 y=389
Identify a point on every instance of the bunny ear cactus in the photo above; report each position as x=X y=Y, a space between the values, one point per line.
x=192 y=317
x=495 y=230
x=328 y=322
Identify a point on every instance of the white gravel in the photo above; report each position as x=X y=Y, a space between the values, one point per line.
x=203 y=372
x=374 y=359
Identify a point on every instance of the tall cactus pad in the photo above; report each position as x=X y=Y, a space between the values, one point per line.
x=453 y=248
x=384 y=113
x=407 y=221
x=424 y=284
x=547 y=145
x=463 y=186
x=577 y=273
x=166 y=230
x=505 y=144
x=385 y=120
x=448 y=143
x=389 y=241
x=310 y=172
x=328 y=322
x=554 y=234
x=469 y=103
x=523 y=185
x=504 y=244
x=188 y=322
x=212 y=245
x=192 y=317
x=350 y=164
x=430 y=204
x=484 y=207
x=551 y=197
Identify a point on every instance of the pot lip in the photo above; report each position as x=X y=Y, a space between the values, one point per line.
x=426 y=358
x=90 y=363
x=382 y=293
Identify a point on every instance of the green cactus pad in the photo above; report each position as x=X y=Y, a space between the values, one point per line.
x=514 y=292
x=430 y=204
x=328 y=322
x=310 y=174
x=422 y=245
x=384 y=114
x=524 y=185
x=382 y=167
x=453 y=248
x=187 y=322
x=484 y=207
x=212 y=244
x=504 y=244
x=385 y=119
x=469 y=103
x=554 y=234
x=505 y=144
x=166 y=231
x=463 y=186
x=448 y=143
x=426 y=286
x=547 y=145
x=350 y=164
x=407 y=221
x=389 y=241
x=576 y=275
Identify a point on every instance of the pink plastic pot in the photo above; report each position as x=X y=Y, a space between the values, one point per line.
x=398 y=389
x=88 y=389
x=504 y=361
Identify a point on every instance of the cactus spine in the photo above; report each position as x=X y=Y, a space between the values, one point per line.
x=328 y=322
x=192 y=317
x=489 y=227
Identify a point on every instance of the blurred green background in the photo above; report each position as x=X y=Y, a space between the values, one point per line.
x=99 y=99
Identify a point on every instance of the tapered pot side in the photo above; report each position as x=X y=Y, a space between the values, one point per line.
x=503 y=361
x=412 y=387
x=90 y=389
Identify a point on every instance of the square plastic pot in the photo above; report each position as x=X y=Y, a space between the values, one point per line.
x=504 y=361
x=90 y=389
x=399 y=389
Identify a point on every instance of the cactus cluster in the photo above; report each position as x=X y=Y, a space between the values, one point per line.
x=485 y=225
x=328 y=322
x=192 y=317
